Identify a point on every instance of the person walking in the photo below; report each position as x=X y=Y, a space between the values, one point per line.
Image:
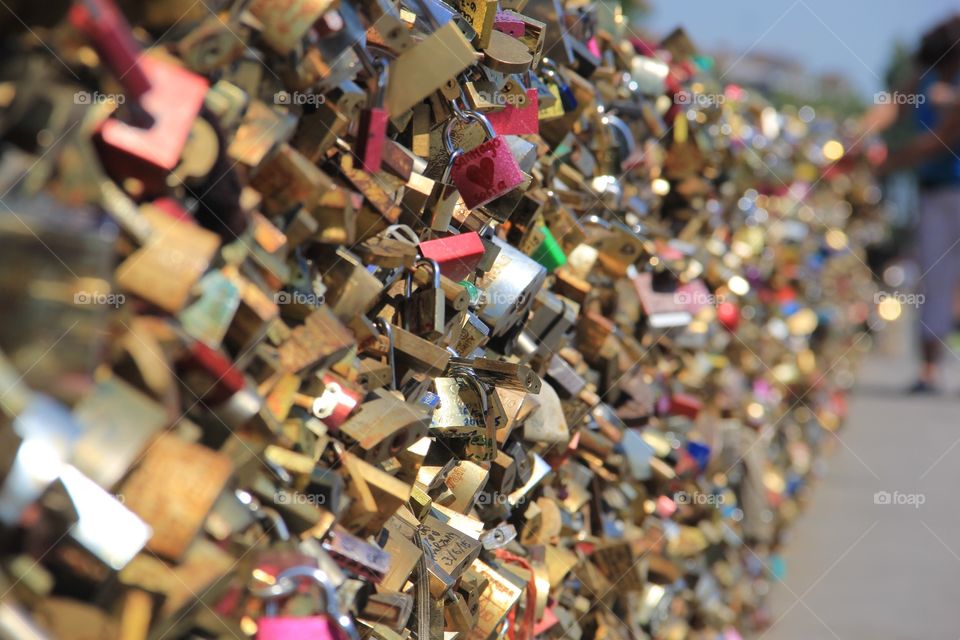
x=932 y=100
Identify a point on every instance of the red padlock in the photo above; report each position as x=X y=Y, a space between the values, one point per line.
x=684 y=404
x=149 y=154
x=334 y=406
x=372 y=127
x=331 y=624
x=457 y=255
x=513 y=120
x=486 y=172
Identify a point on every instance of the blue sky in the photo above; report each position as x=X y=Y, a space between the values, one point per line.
x=853 y=37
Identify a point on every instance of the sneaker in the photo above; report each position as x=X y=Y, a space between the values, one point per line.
x=922 y=387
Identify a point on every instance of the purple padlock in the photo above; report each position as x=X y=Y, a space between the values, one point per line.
x=486 y=172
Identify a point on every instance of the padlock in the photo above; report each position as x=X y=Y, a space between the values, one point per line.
x=511 y=285
x=330 y=625
x=464 y=412
x=372 y=126
x=357 y=556
x=336 y=402
x=173 y=100
x=457 y=255
x=507 y=22
x=567 y=98
x=518 y=119
x=284 y=26
x=485 y=172
x=424 y=311
x=446 y=52
x=506 y=375
x=385 y=426
x=480 y=14
x=175 y=523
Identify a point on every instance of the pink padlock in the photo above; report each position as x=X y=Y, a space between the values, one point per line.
x=486 y=172
x=509 y=24
x=513 y=120
x=329 y=625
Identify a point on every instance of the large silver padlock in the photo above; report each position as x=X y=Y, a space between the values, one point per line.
x=510 y=288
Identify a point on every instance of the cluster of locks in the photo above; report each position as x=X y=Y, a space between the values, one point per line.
x=393 y=320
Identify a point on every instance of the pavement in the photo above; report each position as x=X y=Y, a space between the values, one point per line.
x=876 y=555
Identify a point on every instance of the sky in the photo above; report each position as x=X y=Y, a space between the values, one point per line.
x=853 y=37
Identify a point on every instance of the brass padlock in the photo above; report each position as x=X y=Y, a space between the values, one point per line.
x=385 y=426
x=424 y=310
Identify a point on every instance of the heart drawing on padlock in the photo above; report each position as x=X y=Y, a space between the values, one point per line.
x=486 y=173
x=481 y=173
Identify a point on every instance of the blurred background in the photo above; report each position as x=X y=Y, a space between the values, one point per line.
x=875 y=554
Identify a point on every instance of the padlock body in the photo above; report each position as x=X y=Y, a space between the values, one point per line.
x=371 y=134
x=427 y=313
x=486 y=172
x=283 y=628
x=173 y=101
x=457 y=255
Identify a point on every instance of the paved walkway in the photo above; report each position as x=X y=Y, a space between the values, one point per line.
x=859 y=570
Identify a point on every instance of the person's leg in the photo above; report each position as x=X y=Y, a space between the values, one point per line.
x=938 y=277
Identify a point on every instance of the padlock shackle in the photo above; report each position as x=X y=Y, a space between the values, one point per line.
x=422 y=262
x=391 y=353
x=468 y=115
x=462 y=373
x=286 y=584
x=408 y=288
x=615 y=122
x=264 y=513
x=402 y=233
